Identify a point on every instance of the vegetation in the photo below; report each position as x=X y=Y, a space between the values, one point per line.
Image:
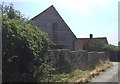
x=68 y=77
x=95 y=45
x=77 y=76
x=11 y=13
x=110 y=47
x=113 y=52
x=24 y=50
x=101 y=67
x=98 y=45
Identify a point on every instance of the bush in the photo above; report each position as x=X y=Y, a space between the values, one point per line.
x=113 y=52
x=23 y=52
x=95 y=45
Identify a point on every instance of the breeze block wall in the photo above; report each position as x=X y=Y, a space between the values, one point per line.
x=64 y=60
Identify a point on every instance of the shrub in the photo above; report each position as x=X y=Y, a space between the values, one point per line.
x=95 y=45
x=23 y=52
x=113 y=52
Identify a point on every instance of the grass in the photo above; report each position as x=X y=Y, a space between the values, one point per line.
x=101 y=67
x=68 y=77
x=77 y=76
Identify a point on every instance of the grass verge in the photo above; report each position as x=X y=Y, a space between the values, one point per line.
x=80 y=76
x=101 y=67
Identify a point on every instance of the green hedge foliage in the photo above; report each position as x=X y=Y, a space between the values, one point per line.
x=95 y=45
x=24 y=51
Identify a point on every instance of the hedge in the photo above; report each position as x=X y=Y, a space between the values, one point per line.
x=24 y=49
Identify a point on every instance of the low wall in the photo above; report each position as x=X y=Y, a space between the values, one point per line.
x=66 y=60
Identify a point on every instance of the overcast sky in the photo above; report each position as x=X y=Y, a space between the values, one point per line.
x=99 y=17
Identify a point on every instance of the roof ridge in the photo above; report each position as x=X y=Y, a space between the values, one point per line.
x=42 y=12
x=58 y=14
x=93 y=38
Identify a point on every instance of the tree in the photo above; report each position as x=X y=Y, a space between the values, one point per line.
x=95 y=45
x=24 y=51
x=11 y=13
